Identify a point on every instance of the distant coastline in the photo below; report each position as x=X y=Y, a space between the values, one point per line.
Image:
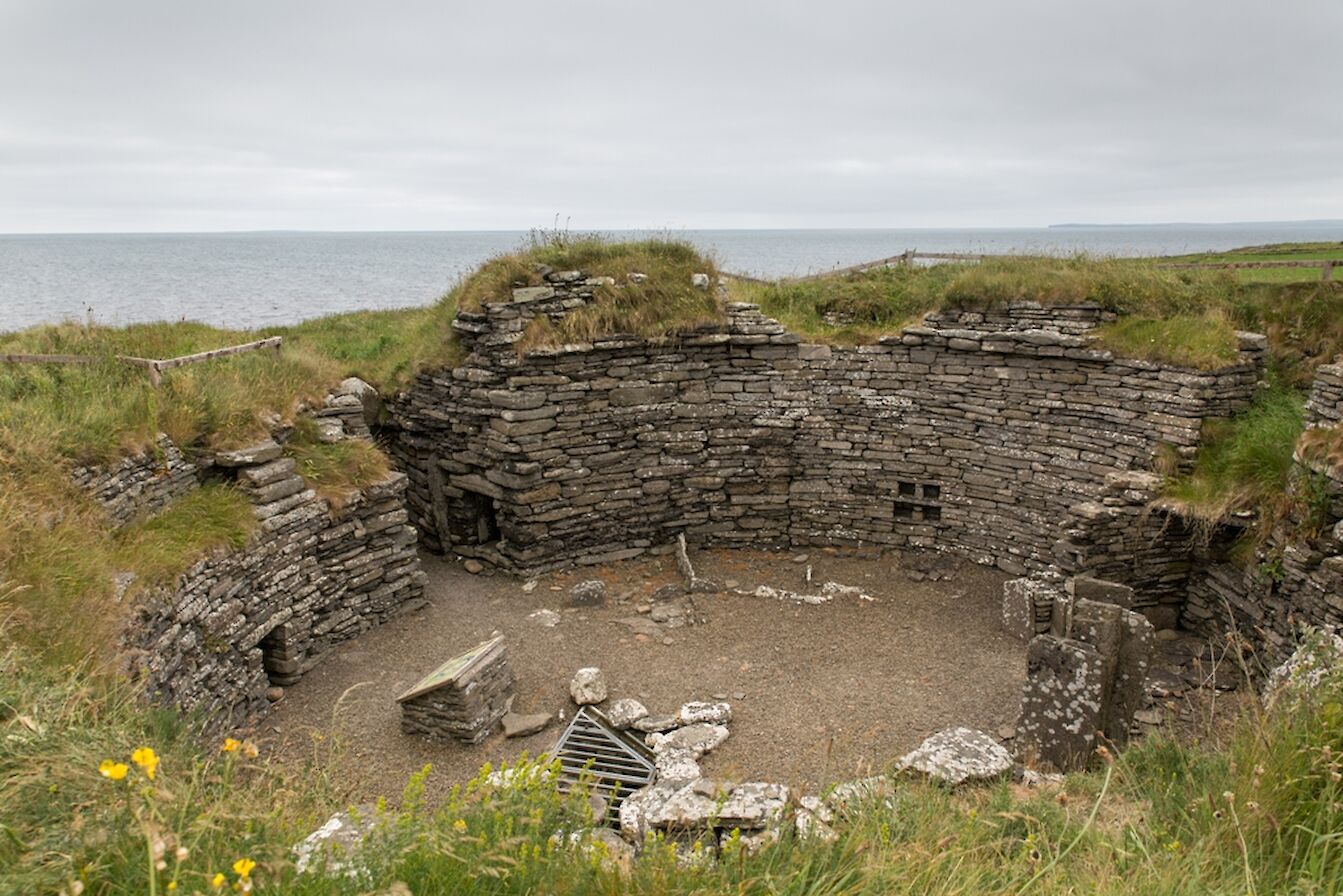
x=1185 y=225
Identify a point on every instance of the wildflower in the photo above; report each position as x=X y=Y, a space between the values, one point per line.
x=1228 y=796
x=147 y=759
x=243 y=868
x=218 y=881
x=1174 y=846
x=181 y=853
x=114 y=770
x=459 y=825
x=172 y=885
x=230 y=745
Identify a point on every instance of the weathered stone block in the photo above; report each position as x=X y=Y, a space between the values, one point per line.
x=1061 y=701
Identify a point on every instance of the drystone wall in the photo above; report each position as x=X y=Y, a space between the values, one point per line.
x=140 y=485
x=1154 y=560
x=1295 y=580
x=973 y=433
x=240 y=622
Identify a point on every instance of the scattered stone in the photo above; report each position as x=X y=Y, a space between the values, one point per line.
x=651 y=724
x=625 y=712
x=698 y=711
x=637 y=277
x=1318 y=654
x=738 y=695
x=956 y=755
x=700 y=281
x=327 y=850
x=588 y=686
x=676 y=765
x=699 y=738
x=517 y=725
x=1007 y=732
x=588 y=594
x=1149 y=716
x=851 y=794
x=473 y=566
x=801 y=558
x=546 y=618
x=529 y=586
x=275 y=694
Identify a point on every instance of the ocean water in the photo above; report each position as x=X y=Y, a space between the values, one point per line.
x=248 y=280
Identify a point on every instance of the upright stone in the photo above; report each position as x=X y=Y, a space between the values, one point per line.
x=1061 y=701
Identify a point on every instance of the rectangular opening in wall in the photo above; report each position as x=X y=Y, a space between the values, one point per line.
x=908 y=489
x=932 y=513
x=932 y=492
x=482 y=523
x=904 y=511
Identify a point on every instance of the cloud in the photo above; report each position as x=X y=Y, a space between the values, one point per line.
x=351 y=115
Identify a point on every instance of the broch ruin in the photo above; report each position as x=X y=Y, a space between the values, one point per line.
x=1003 y=437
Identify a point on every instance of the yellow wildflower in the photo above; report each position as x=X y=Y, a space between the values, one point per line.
x=230 y=745
x=243 y=868
x=218 y=881
x=172 y=885
x=147 y=759
x=114 y=770
x=459 y=825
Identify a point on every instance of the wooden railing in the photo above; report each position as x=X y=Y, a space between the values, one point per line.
x=155 y=366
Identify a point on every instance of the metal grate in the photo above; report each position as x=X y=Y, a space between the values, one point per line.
x=614 y=763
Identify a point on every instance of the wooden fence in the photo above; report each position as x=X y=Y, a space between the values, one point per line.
x=909 y=257
x=155 y=366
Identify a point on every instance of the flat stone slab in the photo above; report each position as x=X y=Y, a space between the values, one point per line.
x=519 y=725
x=956 y=755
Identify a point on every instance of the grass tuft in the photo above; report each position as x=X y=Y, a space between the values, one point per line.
x=336 y=470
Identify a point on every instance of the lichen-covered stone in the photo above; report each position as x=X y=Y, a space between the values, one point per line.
x=957 y=755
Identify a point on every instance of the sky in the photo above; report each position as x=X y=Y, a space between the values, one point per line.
x=284 y=114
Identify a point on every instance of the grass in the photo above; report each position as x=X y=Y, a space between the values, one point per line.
x=1205 y=341
x=338 y=470
x=1255 y=808
x=1245 y=463
x=1274 y=252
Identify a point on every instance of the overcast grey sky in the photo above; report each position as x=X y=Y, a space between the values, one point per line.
x=121 y=115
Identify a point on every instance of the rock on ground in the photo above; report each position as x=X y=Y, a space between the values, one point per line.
x=519 y=725
x=955 y=755
x=588 y=686
x=699 y=711
x=698 y=739
x=625 y=712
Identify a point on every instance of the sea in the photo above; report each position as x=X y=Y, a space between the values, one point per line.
x=259 y=279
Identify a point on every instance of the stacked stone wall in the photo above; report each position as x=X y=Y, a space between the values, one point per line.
x=1295 y=579
x=140 y=485
x=238 y=622
x=974 y=433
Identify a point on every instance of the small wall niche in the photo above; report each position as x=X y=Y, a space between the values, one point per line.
x=918 y=502
x=280 y=658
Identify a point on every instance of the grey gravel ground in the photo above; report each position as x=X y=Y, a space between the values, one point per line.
x=828 y=691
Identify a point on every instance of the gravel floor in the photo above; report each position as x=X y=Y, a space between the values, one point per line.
x=819 y=692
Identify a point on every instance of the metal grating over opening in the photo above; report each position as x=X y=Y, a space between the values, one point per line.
x=614 y=763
